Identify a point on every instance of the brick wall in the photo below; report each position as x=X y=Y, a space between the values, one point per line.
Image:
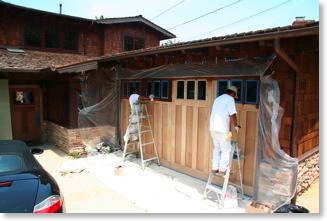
x=70 y=140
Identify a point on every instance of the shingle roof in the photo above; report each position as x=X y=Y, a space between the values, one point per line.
x=34 y=61
x=263 y=34
x=165 y=34
x=234 y=68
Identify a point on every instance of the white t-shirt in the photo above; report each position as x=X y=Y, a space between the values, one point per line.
x=134 y=98
x=222 y=108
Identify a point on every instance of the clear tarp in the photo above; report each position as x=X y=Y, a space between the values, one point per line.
x=276 y=173
x=98 y=117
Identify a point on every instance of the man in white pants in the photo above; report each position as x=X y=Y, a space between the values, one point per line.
x=223 y=114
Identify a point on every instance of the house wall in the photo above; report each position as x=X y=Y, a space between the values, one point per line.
x=5 y=116
x=181 y=133
x=93 y=39
x=10 y=31
x=114 y=36
x=307 y=124
x=308 y=111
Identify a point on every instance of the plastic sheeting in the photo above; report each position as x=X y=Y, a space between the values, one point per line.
x=276 y=173
x=98 y=119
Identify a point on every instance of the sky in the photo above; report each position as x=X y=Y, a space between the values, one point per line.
x=190 y=19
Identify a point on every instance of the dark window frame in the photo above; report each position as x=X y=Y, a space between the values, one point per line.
x=218 y=86
x=246 y=91
x=242 y=93
x=52 y=38
x=136 y=43
x=143 y=90
x=239 y=100
x=61 y=36
x=162 y=88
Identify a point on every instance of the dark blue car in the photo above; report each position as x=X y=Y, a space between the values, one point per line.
x=25 y=187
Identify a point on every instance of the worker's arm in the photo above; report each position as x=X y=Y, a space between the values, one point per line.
x=234 y=124
x=144 y=99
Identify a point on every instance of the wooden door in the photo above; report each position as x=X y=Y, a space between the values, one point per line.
x=25 y=112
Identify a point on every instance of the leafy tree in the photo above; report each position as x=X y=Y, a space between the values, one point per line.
x=100 y=18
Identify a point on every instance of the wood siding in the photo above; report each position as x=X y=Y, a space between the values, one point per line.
x=181 y=132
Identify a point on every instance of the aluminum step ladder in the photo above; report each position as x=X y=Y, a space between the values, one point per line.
x=140 y=119
x=221 y=191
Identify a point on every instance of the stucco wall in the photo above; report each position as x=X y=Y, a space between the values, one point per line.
x=5 y=117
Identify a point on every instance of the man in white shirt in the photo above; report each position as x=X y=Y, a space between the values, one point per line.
x=134 y=99
x=223 y=114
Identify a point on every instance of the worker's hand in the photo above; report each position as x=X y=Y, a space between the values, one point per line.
x=151 y=97
x=237 y=128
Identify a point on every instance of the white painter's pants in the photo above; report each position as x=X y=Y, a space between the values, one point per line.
x=132 y=130
x=221 y=151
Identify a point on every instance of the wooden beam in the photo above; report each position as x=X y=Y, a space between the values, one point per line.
x=285 y=56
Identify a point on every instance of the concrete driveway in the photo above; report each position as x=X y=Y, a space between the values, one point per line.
x=83 y=192
x=95 y=187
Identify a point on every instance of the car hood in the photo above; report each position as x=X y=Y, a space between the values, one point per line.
x=18 y=193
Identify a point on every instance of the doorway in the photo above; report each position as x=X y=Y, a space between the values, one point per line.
x=25 y=112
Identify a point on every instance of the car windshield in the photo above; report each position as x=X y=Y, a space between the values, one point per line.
x=10 y=163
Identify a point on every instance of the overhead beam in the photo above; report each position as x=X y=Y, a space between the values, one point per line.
x=285 y=56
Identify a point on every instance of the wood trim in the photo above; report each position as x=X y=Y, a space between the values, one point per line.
x=195 y=136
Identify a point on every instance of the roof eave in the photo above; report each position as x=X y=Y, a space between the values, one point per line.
x=314 y=30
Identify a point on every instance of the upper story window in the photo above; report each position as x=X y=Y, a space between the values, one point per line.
x=32 y=36
x=192 y=90
x=35 y=36
x=131 y=43
x=51 y=39
x=248 y=95
x=70 y=40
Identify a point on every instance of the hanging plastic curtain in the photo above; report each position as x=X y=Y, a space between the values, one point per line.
x=277 y=172
x=97 y=119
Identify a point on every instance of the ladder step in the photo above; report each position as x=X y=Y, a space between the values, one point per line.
x=132 y=142
x=153 y=158
x=214 y=189
x=144 y=144
x=131 y=152
x=145 y=131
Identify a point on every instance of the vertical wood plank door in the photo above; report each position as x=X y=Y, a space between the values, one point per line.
x=25 y=112
x=181 y=133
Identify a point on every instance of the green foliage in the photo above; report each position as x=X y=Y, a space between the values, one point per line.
x=76 y=155
x=169 y=43
x=100 y=18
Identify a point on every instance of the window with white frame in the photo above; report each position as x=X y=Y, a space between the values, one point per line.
x=191 y=89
